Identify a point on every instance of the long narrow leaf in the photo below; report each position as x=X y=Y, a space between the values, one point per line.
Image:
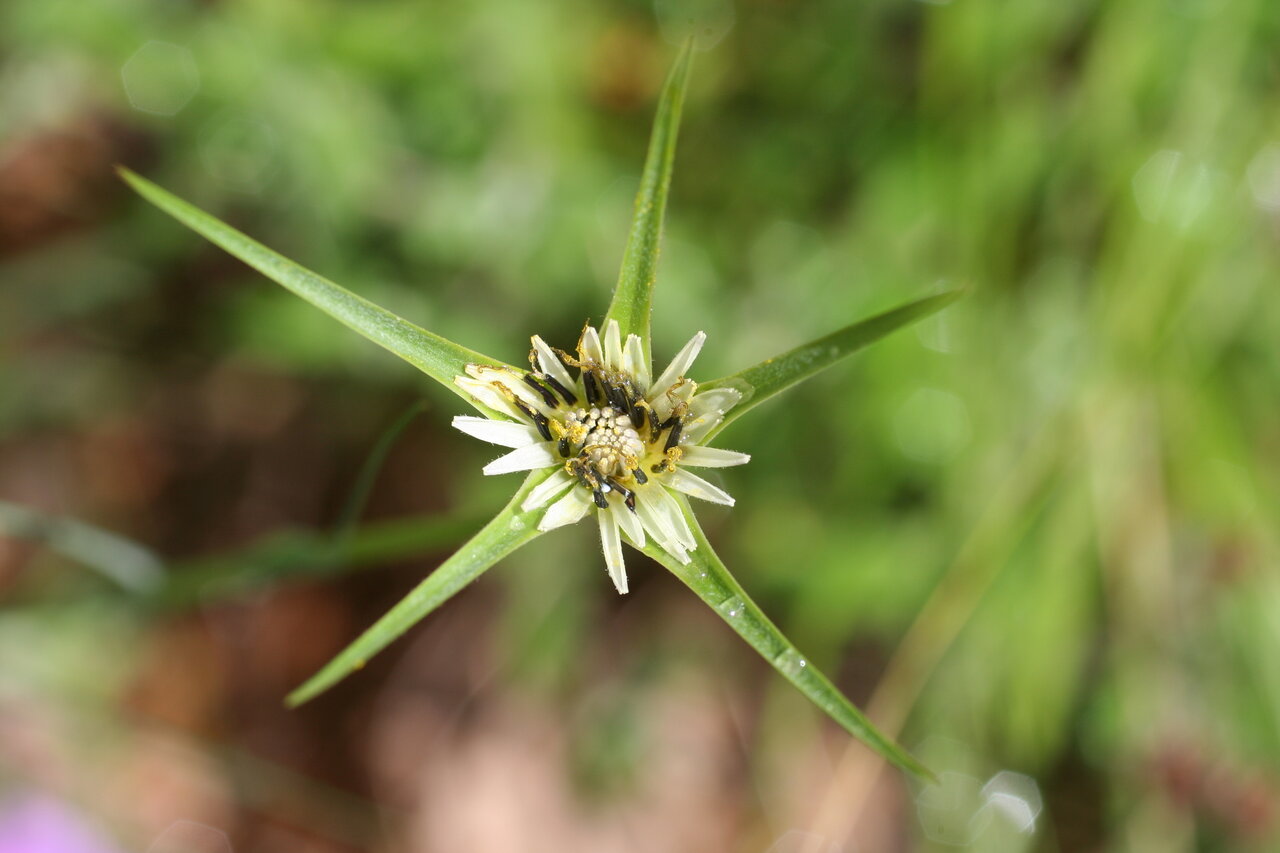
x=131 y=566
x=708 y=577
x=510 y=529
x=306 y=555
x=435 y=356
x=369 y=471
x=775 y=375
x=633 y=295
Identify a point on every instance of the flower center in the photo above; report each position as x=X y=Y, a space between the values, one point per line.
x=611 y=445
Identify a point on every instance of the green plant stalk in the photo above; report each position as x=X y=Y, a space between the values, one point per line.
x=509 y=529
x=633 y=295
x=438 y=357
x=711 y=581
x=775 y=375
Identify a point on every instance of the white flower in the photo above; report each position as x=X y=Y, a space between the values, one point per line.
x=619 y=440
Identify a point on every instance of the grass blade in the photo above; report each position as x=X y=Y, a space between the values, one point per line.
x=369 y=471
x=633 y=295
x=298 y=555
x=129 y=565
x=777 y=374
x=510 y=529
x=435 y=356
x=708 y=577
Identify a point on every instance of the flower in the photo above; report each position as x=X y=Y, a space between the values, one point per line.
x=609 y=440
x=618 y=440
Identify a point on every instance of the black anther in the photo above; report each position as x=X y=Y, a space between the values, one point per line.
x=543 y=425
x=569 y=397
x=616 y=396
x=673 y=437
x=589 y=384
x=547 y=396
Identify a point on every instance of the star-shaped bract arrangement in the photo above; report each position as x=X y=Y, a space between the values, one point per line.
x=605 y=440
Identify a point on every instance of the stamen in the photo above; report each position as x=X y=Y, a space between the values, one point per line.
x=578 y=469
x=640 y=476
x=673 y=438
x=616 y=396
x=589 y=381
x=539 y=419
x=629 y=497
x=569 y=397
x=544 y=428
x=546 y=395
x=600 y=499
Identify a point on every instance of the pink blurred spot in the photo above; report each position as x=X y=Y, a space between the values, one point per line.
x=31 y=823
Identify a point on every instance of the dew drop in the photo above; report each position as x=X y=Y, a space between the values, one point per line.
x=517 y=523
x=790 y=663
x=731 y=607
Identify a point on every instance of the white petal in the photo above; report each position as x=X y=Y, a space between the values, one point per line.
x=695 y=486
x=613 y=345
x=524 y=459
x=679 y=365
x=612 y=544
x=706 y=411
x=568 y=510
x=505 y=433
x=714 y=400
x=589 y=345
x=546 y=490
x=488 y=396
x=634 y=362
x=696 y=429
x=629 y=523
x=676 y=550
x=674 y=396
x=659 y=525
x=550 y=363
x=668 y=511
x=513 y=383
x=713 y=457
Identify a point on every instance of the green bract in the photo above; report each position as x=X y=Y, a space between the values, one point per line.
x=700 y=569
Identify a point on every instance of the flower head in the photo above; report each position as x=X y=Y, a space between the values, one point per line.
x=618 y=440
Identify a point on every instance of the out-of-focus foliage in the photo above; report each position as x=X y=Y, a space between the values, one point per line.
x=1039 y=532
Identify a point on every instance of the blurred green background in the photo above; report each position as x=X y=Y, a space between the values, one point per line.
x=1036 y=534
